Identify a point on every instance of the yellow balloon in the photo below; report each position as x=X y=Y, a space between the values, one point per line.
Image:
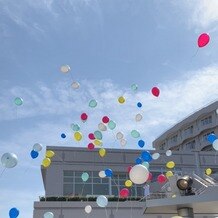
x=170 y=164
x=46 y=162
x=121 y=100
x=208 y=171
x=128 y=183
x=97 y=142
x=169 y=174
x=49 y=153
x=102 y=152
x=78 y=136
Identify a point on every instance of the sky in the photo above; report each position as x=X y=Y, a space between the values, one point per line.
x=109 y=46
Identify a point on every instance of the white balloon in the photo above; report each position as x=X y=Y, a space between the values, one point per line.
x=102 y=201
x=119 y=135
x=48 y=215
x=139 y=174
x=155 y=156
x=37 y=147
x=138 y=117
x=102 y=127
x=123 y=142
x=9 y=160
x=215 y=144
x=75 y=85
x=102 y=174
x=168 y=153
x=217 y=111
x=88 y=209
x=65 y=68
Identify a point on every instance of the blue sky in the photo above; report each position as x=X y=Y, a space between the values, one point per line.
x=109 y=45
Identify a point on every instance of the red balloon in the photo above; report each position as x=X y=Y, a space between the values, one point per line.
x=203 y=40
x=124 y=193
x=91 y=146
x=129 y=168
x=150 y=176
x=161 y=178
x=91 y=136
x=155 y=91
x=84 y=116
x=105 y=119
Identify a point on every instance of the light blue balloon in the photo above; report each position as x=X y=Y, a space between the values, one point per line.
x=102 y=201
x=134 y=87
x=85 y=177
x=98 y=135
x=135 y=134
x=93 y=103
x=48 y=215
x=146 y=164
x=9 y=160
x=111 y=125
x=75 y=127
x=18 y=101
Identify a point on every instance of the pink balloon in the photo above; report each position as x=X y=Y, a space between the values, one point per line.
x=155 y=91
x=91 y=136
x=161 y=178
x=124 y=193
x=203 y=40
x=91 y=146
x=129 y=168
x=84 y=116
x=105 y=119
x=150 y=176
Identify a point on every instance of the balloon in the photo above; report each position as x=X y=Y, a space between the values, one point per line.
x=123 y=142
x=135 y=133
x=34 y=154
x=46 y=162
x=75 y=127
x=155 y=156
x=65 y=68
x=97 y=142
x=155 y=91
x=139 y=104
x=91 y=146
x=84 y=117
x=128 y=183
x=63 y=136
x=78 y=136
x=48 y=215
x=138 y=117
x=161 y=178
x=88 y=209
x=146 y=164
x=18 y=101
x=49 y=153
x=203 y=40
x=121 y=100
x=108 y=172
x=93 y=103
x=208 y=171
x=91 y=136
x=169 y=174
x=141 y=143
x=9 y=160
x=111 y=125
x=129 y=168
x=102 y=127
x=168 y=153
x=102 y=174
x=13 y=212
x=215 y=144
x=134 y=87
x=211 y=138
x=102 y=201
x=139 y=174
x=102 y=152
x=105 y=119
x=146 y=156
x=124 y=193
x=138 y=160
x=37 y=147
x=98 y=135
x=170 y=164
x=84 y=177
x=75 y=85
x=119 y=135
x=150 y=176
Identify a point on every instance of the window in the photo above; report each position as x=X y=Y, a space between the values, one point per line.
x=188 y=131
x=206 y=121
x=173 y=139
x=208 y=148
x=162 y=146
x=190 y=145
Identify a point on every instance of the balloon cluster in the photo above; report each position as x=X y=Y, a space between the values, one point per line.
x=35 y=151
x=47 y=160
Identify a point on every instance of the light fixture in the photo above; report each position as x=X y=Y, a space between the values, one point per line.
x=184 y=183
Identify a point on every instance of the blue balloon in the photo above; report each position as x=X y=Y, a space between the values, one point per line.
x=108 y=172
x=141 y=143
x=63 y=136
x=138 y=160
x=14 y=212
x=146 y=156
x=34 y=154
x=139 y=104
x=211 y=138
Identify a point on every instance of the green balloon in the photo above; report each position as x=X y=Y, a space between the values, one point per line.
x=98 y=135
x=146 y=164
x=134 y=87
x=18 y=101
x=93 y=103
x=111 y=125
x=85 y=177
x=75 y=127
x=135 y=134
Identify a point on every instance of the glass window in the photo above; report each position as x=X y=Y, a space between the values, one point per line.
x=206 y=120
x=68 y=180
x=100 y=189
x=115 y=190
x=140 y=191
x=68 y=189
x=68 y=173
